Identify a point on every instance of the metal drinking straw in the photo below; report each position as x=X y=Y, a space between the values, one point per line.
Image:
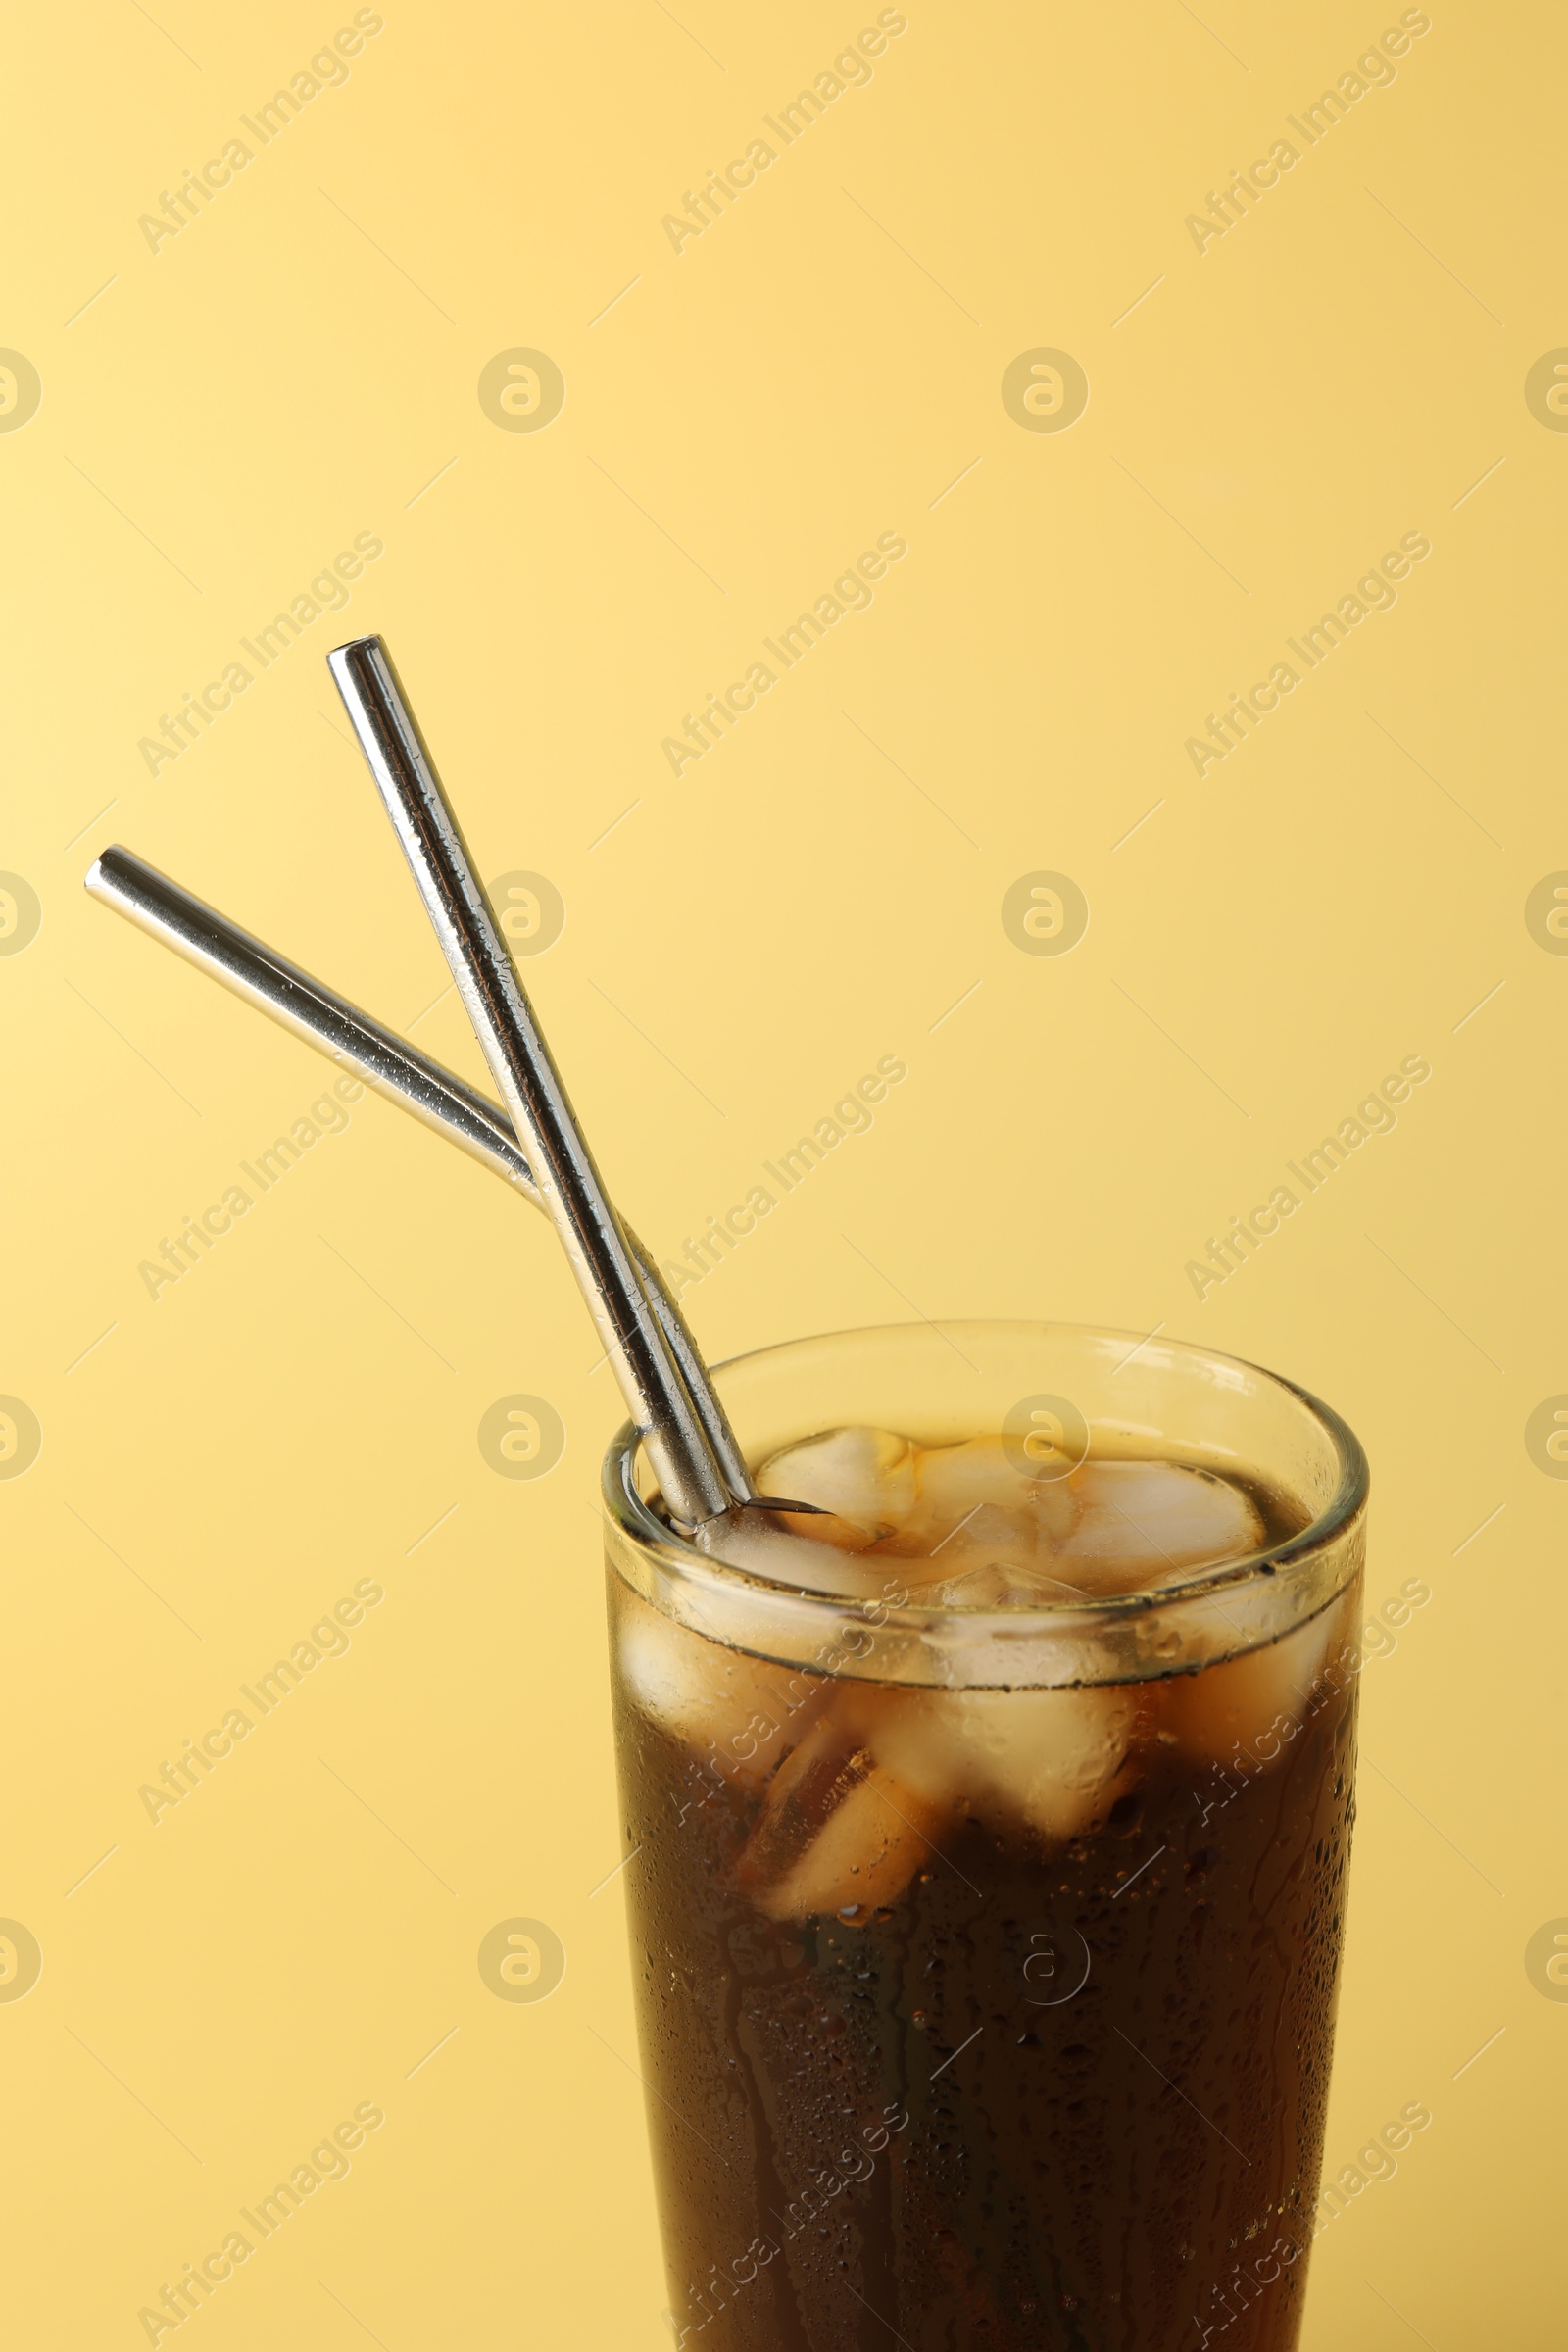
x=310 y=1009
x=397 y=1070
x=530 y=1085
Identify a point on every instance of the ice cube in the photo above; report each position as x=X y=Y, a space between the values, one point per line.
x=1001 y=1578
x=789 y=1550
x=864 y=1477
x=837 y=1833
x=955 y=1482
x=1138 y=1522
x=1231 y=1713
x=825 y=1527
x=934 y=1549
x=864 y=1856
x=1053 y=1759
x=991 y=1584
x=985 y=1528
x=735 y=1713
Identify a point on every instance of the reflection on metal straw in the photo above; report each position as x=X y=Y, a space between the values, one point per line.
x=530 y=1085
x=310 y=1008
x=435 y=1096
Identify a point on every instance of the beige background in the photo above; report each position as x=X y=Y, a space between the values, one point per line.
x=219 y=1466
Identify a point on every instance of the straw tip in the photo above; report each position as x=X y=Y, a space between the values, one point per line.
x=111 y=868
x=341 y=655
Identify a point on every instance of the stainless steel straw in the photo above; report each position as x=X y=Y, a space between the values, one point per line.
x=310 y=1009
x=440 y=1100
x=530 y=1085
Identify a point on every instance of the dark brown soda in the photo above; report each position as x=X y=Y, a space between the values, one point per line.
x=918 y=2127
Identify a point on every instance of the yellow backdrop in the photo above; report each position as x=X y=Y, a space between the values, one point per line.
x=600 y=355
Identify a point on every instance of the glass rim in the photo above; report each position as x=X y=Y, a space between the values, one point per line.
x=631 y=1516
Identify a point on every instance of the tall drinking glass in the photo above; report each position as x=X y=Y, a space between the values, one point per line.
x=986 y=1947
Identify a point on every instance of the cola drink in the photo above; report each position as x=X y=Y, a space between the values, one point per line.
x=991 y=2014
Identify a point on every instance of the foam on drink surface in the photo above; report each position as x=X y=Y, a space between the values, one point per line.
x=852 y=1783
